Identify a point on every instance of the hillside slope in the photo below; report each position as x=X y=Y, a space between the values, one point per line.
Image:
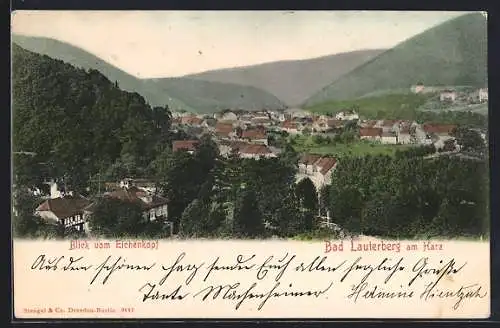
x=291 y=81
x=452 y=53
x=69 y=116
x=158 y=92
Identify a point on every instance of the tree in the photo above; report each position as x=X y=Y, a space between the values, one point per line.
x=247 y=216
x=25 y=223
x=289 y=156
x=289 y=218
x=117 y=218
x=193 y=220
x=307 y=194
x=469 y=140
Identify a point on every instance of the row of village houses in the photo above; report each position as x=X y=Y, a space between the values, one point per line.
x=250 y=138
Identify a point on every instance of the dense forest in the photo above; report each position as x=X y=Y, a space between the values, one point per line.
x=78 y=123
x=410 y=196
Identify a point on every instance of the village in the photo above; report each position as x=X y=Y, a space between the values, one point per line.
x=247 y=135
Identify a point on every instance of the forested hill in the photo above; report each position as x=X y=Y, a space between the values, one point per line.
x=178 y=93
x=77 y=121
x=452 y=53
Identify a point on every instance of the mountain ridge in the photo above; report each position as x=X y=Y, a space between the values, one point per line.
x=156 y=91
x=280 y=77
x=451 y=53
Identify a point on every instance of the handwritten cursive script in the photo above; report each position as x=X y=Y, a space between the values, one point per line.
x=247 y=278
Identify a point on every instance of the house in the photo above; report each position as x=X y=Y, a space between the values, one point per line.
x=209 y=123
x=323 y=125
x=256 y=136
x=421 y=136
x=419 y=88
x=440 y=130
x=153 y=206
x=448 y=95
x=483 y=94
x=306 y=163
x=446 y=145
x=147 y=185
x=66 y=210
x=347 y=116
x=224 y=130
x=176 y=121
x=373 y=134
x=290 y=127
x=191 y=120
x=322 y=171
x=389 y=125
x=295 y=113
x=56 y=190
x=246 y=119
x=179 y=114
x=389 y=138
x=403 y=135
x=229 y=116
x=256 y=152
x=317 y=168
x=368 y=123
x=187 y=145
x=284 y=117
x=226 y=147
x=261 y=120
x=140 y=183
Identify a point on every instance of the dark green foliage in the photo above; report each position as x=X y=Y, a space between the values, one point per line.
x=470 y=140
x=248 y=221
x=307 y=194
x=410 y=196
x=416 y=151
x=27 y=225
x=79 y=123
x=117 y=218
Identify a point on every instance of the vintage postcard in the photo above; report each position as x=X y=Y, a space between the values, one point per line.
x=239 y=164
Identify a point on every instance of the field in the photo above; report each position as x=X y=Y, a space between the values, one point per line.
x=357 y=148
x=384 y=106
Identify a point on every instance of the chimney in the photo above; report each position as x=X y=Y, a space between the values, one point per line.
x=54 y=190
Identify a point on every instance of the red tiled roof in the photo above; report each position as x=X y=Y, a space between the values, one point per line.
x=370 y=132
x=191 y=120
x=405 y=129
x=335 y=123
x=289 y=125
x=133 y=194
x=184 y=144
x=438 y=128
x=388 y=123
x=325 y=164
x=223 y=128
x=64 y=207
x=253 y=134
x=370 y=124
x=255 y=150
x=309 y=159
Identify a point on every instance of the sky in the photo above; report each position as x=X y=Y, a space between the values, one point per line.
x=151 y=44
